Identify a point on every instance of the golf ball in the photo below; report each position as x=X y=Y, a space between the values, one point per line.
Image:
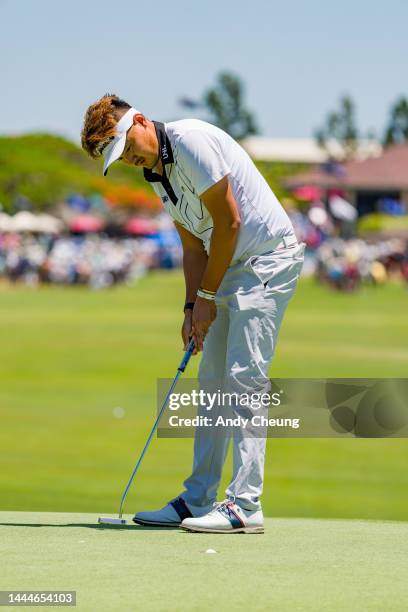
x=211 y=551
x=118 y=412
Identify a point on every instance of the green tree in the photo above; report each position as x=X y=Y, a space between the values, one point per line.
x=397 y=128
x=225 y=104
x=340 y=126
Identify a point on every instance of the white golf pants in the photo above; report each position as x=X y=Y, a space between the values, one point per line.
x=238 y=351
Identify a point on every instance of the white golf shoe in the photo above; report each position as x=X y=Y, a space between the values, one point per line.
x=170 y=515
x=226 y=517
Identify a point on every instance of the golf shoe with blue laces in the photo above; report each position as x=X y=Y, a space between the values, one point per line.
x=226 y=517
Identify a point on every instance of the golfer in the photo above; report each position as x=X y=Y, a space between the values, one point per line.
x=241 y=264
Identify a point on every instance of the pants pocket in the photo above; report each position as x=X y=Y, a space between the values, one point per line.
x=271 y=265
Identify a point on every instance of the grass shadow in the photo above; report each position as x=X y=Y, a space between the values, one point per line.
x=100 y=526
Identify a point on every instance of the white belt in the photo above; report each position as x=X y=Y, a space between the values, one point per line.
x=280 y=242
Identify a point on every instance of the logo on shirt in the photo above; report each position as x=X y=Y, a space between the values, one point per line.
x=164 y=153
x=165 y=199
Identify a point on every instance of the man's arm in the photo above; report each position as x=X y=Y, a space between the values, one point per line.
x=220 y=203
x=194 y=263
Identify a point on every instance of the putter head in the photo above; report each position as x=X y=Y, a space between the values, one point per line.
x=112 y=521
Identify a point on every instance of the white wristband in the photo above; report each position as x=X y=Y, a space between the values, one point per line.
x=205 y=295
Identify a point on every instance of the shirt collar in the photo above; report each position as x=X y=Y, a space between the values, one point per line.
x=165 y=153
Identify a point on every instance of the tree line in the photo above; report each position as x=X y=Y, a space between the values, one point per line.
x=340 y=124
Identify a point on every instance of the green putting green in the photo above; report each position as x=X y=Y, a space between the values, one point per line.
x=297 y=564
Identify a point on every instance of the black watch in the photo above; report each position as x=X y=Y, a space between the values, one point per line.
x=188 y=306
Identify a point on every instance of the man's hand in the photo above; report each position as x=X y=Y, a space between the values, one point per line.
x=204 y=313
x=186 y=330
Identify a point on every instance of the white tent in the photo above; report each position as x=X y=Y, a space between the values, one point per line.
x=6 y=223
x=25 y=221
x=49 y=224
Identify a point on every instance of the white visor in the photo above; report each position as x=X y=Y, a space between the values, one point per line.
x=115 y=148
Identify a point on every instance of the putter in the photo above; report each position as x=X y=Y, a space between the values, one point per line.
x=180 y=369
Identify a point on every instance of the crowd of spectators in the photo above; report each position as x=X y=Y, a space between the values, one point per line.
x=99 y=260
x=90 y=259
x=336 y=257
x=346 y=264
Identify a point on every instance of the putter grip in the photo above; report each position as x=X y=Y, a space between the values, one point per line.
x=187 y=356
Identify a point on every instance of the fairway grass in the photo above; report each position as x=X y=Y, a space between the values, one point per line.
x=69 y=356
x=298 y=564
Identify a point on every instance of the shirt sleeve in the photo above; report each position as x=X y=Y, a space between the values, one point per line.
x=202 y=159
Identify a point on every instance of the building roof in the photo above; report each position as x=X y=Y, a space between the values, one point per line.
x=388 y=171
x=303 y=150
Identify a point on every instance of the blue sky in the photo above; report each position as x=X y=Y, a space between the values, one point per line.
x=295 y=58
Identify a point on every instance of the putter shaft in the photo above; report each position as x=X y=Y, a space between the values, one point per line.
x=180 y=369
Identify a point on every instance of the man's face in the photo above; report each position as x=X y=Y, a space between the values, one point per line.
x=141 y=148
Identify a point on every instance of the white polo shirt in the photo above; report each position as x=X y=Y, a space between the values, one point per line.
x=195 y=156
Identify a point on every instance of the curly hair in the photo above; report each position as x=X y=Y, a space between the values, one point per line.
x=100 y=123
